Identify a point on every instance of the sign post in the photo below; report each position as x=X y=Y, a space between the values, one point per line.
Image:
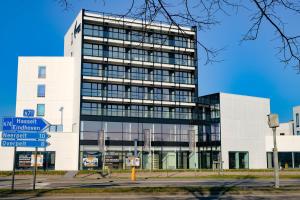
x=24 y=132
x=14 y=170
x=133 y=171
x=35 y=166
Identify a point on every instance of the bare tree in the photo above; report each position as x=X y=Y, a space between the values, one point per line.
x=204 y=15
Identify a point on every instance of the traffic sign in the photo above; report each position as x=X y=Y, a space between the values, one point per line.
x=24 y=143
x=24 y=131
x=25 y=135
x=24 y=124
x=28 y=113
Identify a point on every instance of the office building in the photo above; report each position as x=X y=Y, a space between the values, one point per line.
x=124 y=85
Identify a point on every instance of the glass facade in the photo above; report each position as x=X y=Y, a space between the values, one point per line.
x=137 y=73
x=138 y=89
x=92 y=89
x=169 y=143
x=138 y=36
x=207 y=114
x=285 y=159
x=99 y=50
x=89 y=108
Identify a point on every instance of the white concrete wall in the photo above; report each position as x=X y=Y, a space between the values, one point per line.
x=6 y=157
x=296 y=109
x=243 y=127
x=59 y=88
x=73 y=48
x=59 y=92
x=65 y=146
x=285 y=128
x=284 y=143
x=63 y=75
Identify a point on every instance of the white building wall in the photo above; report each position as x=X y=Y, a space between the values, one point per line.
x=6 y=158
x=243 y=127
x=59 y=92
x=65 y=145
x=289 y=143
x=285 y=129
x=63 y=75
x=296 y=110
x=73 y=48
x=59 y=88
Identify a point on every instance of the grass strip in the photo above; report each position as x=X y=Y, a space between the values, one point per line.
x=199 y=176
x=235 y=177
x=83 y=172
x=188 y=170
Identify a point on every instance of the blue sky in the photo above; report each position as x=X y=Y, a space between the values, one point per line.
x=37 y=28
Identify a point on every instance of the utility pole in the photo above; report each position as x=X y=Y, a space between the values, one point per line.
x=273 y=121
x=147 y=146
x=101 y=146
x=192 y=146
x=275 y=159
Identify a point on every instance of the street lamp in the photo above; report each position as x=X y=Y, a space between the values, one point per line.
x=273 y=122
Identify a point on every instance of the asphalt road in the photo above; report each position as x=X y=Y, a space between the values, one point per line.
x=50 y=183
x=59 y=182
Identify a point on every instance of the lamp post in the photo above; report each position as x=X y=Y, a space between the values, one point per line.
x=273 y=122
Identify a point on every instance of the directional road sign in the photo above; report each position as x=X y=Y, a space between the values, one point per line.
x=24 y=124
x=25 y=135
x=24 y=143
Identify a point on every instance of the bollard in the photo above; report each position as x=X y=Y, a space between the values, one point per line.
x=133 y=175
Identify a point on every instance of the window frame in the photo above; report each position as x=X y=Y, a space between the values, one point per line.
x=41 y=69
x=38 y=110
x=41 y=90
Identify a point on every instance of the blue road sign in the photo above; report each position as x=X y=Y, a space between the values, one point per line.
x=24 y=124
x=25 y=135
x=28 y=113
x=24 y=143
